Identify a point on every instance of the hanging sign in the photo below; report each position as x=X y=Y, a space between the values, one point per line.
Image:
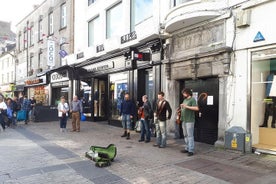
x=51 y=53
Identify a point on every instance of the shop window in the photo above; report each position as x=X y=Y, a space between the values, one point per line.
x=118 y=87
x=140 y=11
x=263 y=93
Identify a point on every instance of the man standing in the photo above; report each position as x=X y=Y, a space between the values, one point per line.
x=146 y=115
x=26 y=107
x=127 y=113
x=188 y=108
x=76 y=110
x=163 y=107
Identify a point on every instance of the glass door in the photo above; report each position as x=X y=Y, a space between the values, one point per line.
x=100 y=99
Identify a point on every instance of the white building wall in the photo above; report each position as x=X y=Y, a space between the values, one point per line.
x=146 y=30
x=260 y=20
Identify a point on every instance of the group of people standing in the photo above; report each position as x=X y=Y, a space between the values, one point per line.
x=75 y=109
x=162 y=113
x=10 y=107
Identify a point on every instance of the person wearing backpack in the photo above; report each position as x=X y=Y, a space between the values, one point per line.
x=146 y=115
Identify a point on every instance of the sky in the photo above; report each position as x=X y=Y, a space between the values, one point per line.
x=15 y=10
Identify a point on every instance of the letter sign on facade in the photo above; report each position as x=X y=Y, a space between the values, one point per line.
x=51 y=53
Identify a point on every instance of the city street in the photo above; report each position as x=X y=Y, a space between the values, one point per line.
x=39 y=153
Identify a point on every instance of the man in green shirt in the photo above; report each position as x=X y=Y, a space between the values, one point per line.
x=188 y=108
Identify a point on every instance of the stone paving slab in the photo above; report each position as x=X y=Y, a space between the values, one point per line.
x=143 y=163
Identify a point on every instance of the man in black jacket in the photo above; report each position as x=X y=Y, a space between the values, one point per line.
x=163 y=107
x=127 y=112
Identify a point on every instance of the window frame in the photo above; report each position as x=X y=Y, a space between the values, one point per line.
x=63 y=16
x=51 y=23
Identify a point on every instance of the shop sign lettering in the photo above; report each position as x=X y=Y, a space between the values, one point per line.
x=97 y=68
x=128 y=37
x=33 y=81
x=51 y=53
x=56 y=77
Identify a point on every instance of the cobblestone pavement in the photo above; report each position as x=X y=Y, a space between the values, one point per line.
x=39 y=153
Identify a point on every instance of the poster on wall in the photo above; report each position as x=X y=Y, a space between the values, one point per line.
x=121 y=90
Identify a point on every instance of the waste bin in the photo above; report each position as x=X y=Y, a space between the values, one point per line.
x=236 y=138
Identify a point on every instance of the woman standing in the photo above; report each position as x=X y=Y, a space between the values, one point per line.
x=63 y=109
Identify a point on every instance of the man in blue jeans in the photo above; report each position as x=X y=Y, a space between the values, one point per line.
x=163 y=107
x=146 y=115
x=127 y=112
x=188 y=108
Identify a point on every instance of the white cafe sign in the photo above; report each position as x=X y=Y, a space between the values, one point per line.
x=59 y=76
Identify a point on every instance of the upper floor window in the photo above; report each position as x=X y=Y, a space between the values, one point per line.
x=63 y=22
x=178 y=2
x=51 y=23
x=25 y=39
x=31 y=29
x=40 y=30
x=94 y=31
x=114 y=26
x=19 y=42
x=91 y=2
x=140 y=10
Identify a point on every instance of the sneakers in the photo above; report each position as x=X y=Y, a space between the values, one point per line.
x=190 y=154
x=140 y=140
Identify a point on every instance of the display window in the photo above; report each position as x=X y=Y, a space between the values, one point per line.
x=263 y=100
x=118 y=88
x=40 y=93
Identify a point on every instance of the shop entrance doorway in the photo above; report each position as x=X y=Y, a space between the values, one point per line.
x=100 y=102
x=206 y=92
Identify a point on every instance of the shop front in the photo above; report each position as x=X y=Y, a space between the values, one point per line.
x=194 y=64
x=61 y=84
x=263 y=99
x=39 y=89
x=110 y=78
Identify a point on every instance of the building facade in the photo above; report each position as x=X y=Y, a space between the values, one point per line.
x=108 y=37
x=44 y=42
x=7 y=59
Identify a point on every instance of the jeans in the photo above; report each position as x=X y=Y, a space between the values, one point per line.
x=188 y=131
x=161 y=133
x=145 y=130
x=63 y=122
x=126 y=121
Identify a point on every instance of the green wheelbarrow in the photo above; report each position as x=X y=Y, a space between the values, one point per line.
x=102 y=156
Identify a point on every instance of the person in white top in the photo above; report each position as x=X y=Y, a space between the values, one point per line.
x=3 y=109
x=63 y=109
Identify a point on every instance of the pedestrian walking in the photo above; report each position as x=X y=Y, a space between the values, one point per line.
x=188 y=108
x=15 y=107
x=163 y=107
x=32 y=110
x=146 y=115
x=3 y=112
x=26 y=107
x=76 y=110
x=63 y=109
x=127 y=112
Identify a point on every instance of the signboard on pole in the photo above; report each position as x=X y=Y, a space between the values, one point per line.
x=51 y=53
